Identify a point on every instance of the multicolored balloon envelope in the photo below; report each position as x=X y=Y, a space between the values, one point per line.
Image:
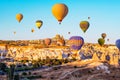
x=84 y=25
x=76 y=42
x=59 y=11
x=117 y=43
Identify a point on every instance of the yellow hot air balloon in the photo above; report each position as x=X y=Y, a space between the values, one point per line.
x=19 y=17
x=39 y=23
x=59 y=11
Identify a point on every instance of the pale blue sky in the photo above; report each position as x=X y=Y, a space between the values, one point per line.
x=105 y=15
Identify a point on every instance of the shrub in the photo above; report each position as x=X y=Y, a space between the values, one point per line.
x=55 y=68
x=34 y=77
x=29 y=73
x=24 y=73
x=75 y=66
x=16 y=77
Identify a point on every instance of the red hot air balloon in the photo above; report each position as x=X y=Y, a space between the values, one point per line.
x=47 y=41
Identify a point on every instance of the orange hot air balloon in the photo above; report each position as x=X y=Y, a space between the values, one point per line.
x=60 y=11
x=19 y=17
x=32 y=30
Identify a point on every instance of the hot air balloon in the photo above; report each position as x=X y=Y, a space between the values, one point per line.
x=103 y=35
x=68 y=32
x=14 y=32
x=84 y=25
x=39 y=23
x=76 y=42
x=59 y=11
x=32 y=30
x=101 y=41
x=107 y=39
x=88 y=17
x=19 y=17
x=47 y=41
x=117 y=43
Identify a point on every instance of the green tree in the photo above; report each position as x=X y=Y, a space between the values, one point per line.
x=3 y=67
x=16 y=77
x=11 y=72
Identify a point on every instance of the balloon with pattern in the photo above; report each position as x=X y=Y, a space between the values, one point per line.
x=84 y=25
x=76 y=42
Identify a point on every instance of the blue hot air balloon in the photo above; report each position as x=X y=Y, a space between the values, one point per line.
x=117 y=43
x=76 y=42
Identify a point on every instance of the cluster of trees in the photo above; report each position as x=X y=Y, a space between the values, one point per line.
x=50 y=62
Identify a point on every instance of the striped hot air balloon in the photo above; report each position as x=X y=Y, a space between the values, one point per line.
x=76 y=42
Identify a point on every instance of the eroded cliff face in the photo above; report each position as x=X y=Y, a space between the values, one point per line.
x=30 y=53
x=93 y=51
